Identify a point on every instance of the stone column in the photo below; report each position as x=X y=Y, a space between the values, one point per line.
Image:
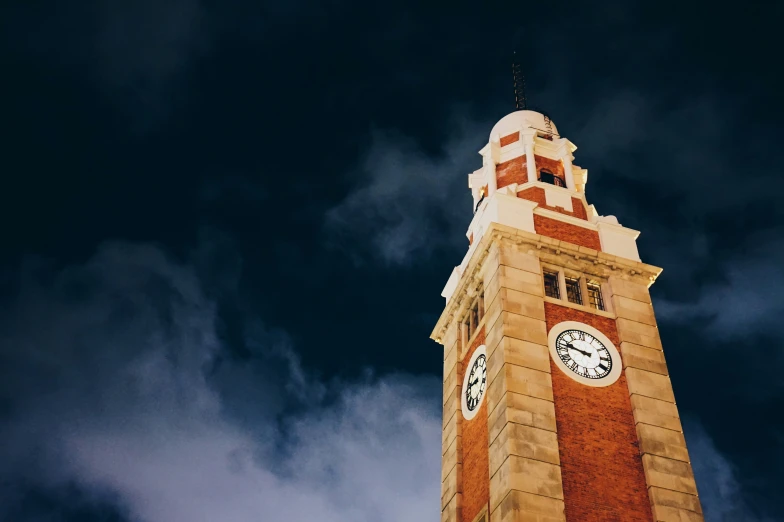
x=525 y=472
x=490 y=174
x=568 y=174
x=451 y=447
x=668 y=473
x=527 y=135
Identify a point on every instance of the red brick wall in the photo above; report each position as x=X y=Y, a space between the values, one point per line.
x=537 y=194
x=567 y=232
x=601 y=466
x=554 y=166
x=512 y=171
x=476 y=464
x=579 y=208
x=506 y=140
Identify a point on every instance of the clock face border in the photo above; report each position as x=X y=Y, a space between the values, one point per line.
x=615 y=371
x=468 y=414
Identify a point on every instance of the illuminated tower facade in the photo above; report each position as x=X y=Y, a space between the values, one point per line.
x=557 y=398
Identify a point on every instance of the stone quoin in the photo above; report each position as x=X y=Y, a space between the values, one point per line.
x=557 y=403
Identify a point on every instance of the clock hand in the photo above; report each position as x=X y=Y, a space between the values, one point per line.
x=587 y=354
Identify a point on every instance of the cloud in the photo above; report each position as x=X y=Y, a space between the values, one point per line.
x=371 y=456
x=720 y=492
x=117 y=389
x=745 y=299
x=118 y=395
x=409 y=203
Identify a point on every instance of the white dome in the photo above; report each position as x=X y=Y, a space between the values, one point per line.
x=513 y=122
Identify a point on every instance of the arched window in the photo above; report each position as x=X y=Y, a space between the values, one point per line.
x=545 y=176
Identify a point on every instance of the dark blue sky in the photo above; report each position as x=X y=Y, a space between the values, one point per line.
x=228 y=225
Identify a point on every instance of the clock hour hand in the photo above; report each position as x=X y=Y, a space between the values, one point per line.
x=570 y=345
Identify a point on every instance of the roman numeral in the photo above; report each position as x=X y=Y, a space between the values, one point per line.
x=603 y=367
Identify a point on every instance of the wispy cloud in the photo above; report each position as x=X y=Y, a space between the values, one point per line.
x=409 y=203
x=746 y=298
x=110 y=383
x=720 y=491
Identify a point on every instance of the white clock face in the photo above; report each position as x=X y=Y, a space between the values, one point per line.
x=584 y=353
x=474 y=383
x=477 y=381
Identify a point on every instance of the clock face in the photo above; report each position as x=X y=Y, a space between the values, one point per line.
x=477 y=380
x=474 y=383
x=584 y=354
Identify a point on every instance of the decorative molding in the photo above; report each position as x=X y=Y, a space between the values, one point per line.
x=552 y=251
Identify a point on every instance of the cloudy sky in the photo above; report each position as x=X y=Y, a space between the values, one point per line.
x=228 y=224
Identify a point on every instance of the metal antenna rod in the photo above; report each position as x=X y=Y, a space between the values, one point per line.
x=519 y=84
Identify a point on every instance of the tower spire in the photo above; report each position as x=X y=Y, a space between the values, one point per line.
x=519 y=84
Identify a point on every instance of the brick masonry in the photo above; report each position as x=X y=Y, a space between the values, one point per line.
x=537 y=194
x=476 y=467
x=516 y=171
x=601 y=465
x=507 y=140
x=567 y=232
x=512 y=171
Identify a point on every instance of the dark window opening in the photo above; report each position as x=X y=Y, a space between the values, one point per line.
x=595 y=295
x=573 y=293
x=475 y=315
x=545 y=176
x=551 y=287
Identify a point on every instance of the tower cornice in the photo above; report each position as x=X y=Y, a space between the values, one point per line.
x=549 y=250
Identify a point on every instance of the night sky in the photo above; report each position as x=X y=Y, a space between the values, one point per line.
x=227 y=225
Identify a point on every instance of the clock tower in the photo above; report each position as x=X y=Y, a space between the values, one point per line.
x=557 y=398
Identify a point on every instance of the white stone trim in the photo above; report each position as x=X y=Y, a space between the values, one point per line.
x=547 y=149
x=467 y=414
x=451 y=284
x=556 y=198
x=615 y=372
x=618 y=240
